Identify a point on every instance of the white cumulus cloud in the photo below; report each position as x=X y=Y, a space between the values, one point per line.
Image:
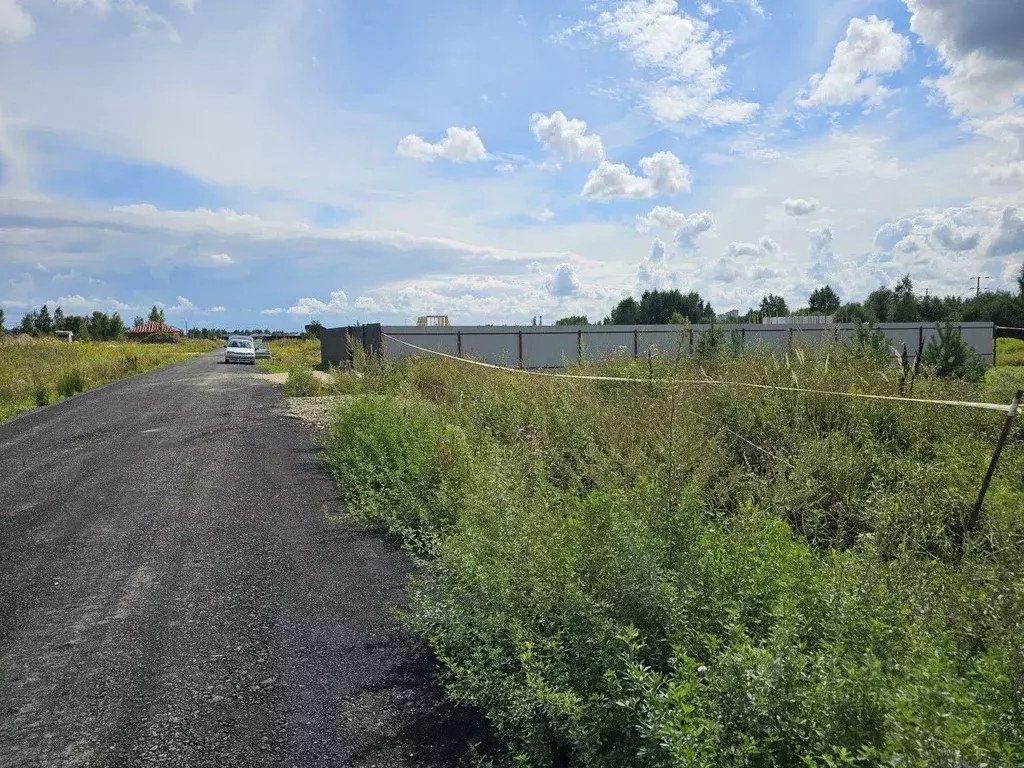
x=337 y=304
x=15 y=23
x=563 y=281
x=681 y=54
x=979 y=44
x=221 y=259
x=663 y=173
x=799 y=207
x=871 y=49
x=822 y=256
x=366 y=304
x=566 y=138
x=653 y=272
x=460 y=145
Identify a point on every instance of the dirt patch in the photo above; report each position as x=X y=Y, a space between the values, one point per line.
x=314 y=411
x=281 y=378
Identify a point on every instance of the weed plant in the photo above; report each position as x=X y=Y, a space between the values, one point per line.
x=693 y=575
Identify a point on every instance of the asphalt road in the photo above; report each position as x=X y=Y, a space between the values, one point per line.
x=173 y=593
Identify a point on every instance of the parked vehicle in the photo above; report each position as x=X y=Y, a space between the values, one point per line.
x=240 y=350
x=262 y=353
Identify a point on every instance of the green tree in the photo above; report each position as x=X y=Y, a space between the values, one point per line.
x=58 y=319
x=824 y=301
x=905 y=308
x=78 y=325
x=313 y=329
x=626 y=312
x=98 y=325
x=879 y=305
x=28 y=323
x=573 y=320
x=115 y=328
x=934 y=309
x=1 y=321
x=139 y=320
x=950 y=357
x=156 y=315
x=999 y=307
x=1020 y=281
x=774 y=306
x=44 y=322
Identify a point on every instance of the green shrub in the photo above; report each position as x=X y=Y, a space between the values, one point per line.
x=870 y=343
x=42 y=395
x=950 y=357
x=302 y=383
x=70 y=383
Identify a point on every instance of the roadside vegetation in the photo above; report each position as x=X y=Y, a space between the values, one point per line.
x=1010 y=352
x=654 y=575
x=35 y=372
x=289 y=354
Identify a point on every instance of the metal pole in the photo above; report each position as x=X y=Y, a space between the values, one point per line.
x=520 y=349
x=972 y=522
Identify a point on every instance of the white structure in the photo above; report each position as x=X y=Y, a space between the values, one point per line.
x=799 y=320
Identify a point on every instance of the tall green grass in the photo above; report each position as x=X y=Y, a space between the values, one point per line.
x=1009 y=352
x=698 y=576
x=33 y=372
x=291 y=354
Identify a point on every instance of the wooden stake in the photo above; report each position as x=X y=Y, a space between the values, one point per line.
x=972 y=522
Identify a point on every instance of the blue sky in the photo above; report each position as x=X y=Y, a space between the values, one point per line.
x=267 y=163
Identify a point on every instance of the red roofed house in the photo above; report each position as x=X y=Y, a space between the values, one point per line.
x=152 y=327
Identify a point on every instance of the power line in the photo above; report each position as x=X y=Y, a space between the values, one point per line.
x=978 y=279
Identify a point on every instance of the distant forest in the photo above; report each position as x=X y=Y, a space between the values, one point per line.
x=899 y=304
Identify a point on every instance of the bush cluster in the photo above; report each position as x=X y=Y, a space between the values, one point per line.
x=696 y=576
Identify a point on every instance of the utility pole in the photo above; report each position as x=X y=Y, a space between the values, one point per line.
x=978 y=279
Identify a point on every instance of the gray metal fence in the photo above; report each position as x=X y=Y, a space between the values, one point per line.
x=539 y=347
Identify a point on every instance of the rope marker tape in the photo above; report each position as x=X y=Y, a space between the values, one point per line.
x=707 y=382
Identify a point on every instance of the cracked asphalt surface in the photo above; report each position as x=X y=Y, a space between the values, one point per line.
x=173 y=593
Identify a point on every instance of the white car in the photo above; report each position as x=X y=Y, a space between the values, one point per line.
x=240 y=351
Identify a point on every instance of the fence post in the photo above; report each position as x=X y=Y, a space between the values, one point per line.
x=579 y=347
x=972 y=521
x=636 y=343
x=458 y=342
x=520 y=349
x=691 y=341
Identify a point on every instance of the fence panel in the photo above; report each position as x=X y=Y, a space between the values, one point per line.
x=555 y=346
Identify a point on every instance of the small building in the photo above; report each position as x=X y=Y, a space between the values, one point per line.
x=154 y=328
x=65 y=335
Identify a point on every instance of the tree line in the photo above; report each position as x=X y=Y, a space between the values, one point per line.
x=98 y=326
x=898 y=304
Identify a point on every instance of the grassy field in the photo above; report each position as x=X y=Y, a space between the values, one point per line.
x=1009 y=352
x=35 y=372
x=695 y=576
x=289 y=354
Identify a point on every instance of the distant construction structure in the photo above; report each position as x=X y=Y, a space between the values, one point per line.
x=431 y=321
